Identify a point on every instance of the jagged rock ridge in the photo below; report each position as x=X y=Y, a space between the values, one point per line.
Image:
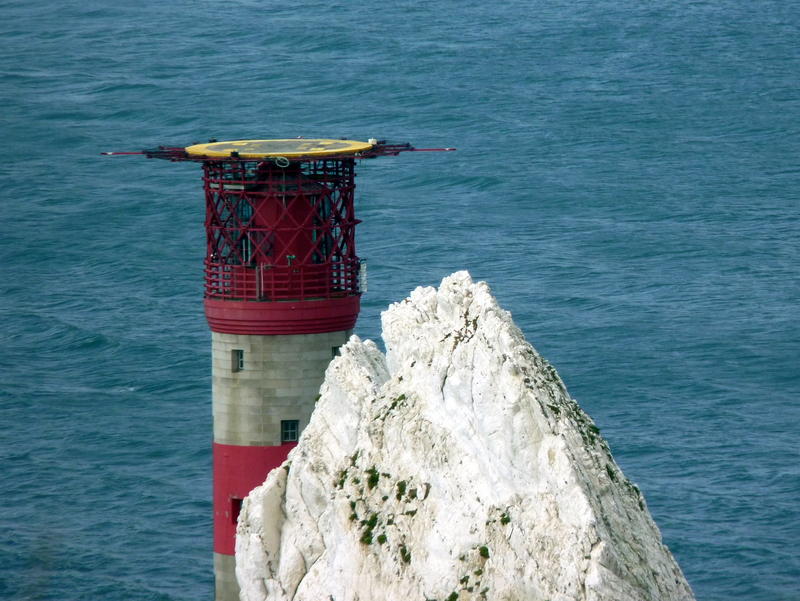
x=457 y=467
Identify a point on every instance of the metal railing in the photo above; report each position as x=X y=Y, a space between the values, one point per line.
x=281 y=282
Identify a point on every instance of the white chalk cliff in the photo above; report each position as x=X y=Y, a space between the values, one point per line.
x=456 y=467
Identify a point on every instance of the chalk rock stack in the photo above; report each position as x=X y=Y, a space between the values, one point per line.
x=456 y=467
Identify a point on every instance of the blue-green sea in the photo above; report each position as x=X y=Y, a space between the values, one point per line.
x=627 y=180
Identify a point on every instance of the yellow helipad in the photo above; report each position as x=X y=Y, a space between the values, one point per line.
x=264 y=149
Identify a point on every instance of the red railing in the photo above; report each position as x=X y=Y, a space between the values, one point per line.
x=267 y=282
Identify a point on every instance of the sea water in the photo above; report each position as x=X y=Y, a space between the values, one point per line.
x=626 y=180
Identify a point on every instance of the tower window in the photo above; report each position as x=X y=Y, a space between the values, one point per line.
x=289 y=430
x=336 y=351
x=237 y=359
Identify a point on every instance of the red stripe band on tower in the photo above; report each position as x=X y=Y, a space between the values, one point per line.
x=237 y=471
x=287 y=317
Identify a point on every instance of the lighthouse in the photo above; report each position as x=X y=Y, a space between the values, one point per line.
x=282 y=288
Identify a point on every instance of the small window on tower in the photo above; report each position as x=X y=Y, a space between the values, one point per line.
x=237 y=359
x=289 y=430
x=336 y=351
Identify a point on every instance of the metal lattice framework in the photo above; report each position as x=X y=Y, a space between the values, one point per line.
x=280 y=227
x=280 y=232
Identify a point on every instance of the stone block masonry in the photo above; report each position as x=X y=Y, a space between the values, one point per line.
x=277 y=379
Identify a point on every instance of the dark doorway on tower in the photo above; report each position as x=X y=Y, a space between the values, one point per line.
x=236 y=509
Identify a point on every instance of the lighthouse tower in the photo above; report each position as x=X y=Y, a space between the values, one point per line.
x=281 y=295
x=282 y=291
